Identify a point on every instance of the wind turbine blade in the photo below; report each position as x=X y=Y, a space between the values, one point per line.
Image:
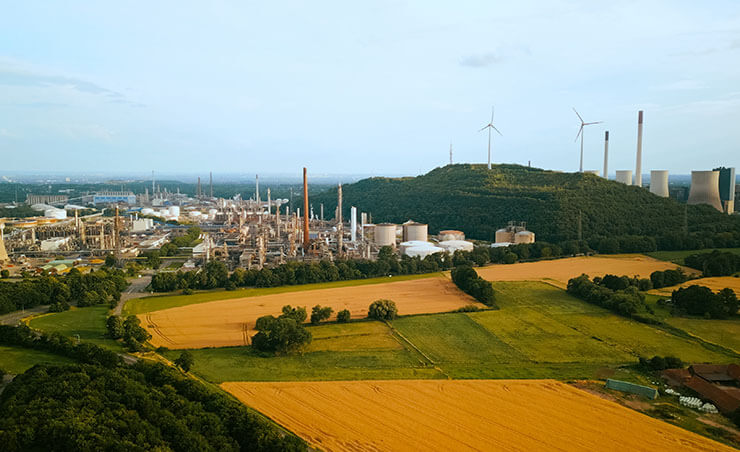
x=579 y=116
x=484 y=128
x=494 y=128
x=589 y=123
x=579 y=133
x=491 y=115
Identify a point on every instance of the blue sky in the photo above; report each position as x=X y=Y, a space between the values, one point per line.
x=380 y=87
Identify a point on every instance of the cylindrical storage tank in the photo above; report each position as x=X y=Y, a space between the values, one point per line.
x=147 y=211
x=659 y=183
x=175 y=211
x=212 y=213
x=194 y=214
x=164 y=212
x=624 y=176
x=61 y=214
x=705 y=189
x=453 y=245
x=415 y=231
x=451 y=234
x=385 y=234
x=504 y=236
x=403 y=246
x=524 y=237
x=422 y=251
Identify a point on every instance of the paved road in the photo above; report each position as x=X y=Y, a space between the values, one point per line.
x=135 y=290
x=14 y=318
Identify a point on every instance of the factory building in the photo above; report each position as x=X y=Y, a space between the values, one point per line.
x=114 y=197
x=46 y=199
x=515 y=234
x=705 y=189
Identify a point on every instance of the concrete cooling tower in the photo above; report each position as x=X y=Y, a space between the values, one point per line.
x=705 y=189
x=624 y=176
x=659 y=183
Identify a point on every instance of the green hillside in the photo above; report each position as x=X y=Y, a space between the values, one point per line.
x=480 y=201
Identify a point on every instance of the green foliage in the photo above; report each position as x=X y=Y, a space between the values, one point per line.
x=4 y=273
x=140 y=408
x=280 y=335
x=319 y=314
x=657 y=363
x=466 y=278
x=188 y=240
x=185 y=361
x=298 y=313
x=382 y=310
x=716 y=263
x=132 y=329
x=114 y=327
x=343 y=316
x=152 y=259
x=627 y=301
x=667 y=278
x=110 y=261
x=479 y=201
x=700 y=300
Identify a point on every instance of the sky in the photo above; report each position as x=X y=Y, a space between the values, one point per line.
x=380 y=87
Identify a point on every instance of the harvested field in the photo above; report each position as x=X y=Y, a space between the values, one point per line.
x=716 y=283
x=231 y=322
x=559 y=271
x=461 y=415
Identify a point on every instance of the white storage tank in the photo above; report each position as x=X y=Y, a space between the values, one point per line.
x=147 y=211
x=212 y=213
x=504 y=236
x=61 y=214
x=624 y=176
x=454 y=245
x=414 y=231
x=385 y=234
x=175 y=211
x=194 y=214
x=403 y=246
x=423 y=251
x=451 y=234
x=659 y=183
x=524 y=237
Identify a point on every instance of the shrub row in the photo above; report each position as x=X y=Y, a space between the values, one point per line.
x=466 y=278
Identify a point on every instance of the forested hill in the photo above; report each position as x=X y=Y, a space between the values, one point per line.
x=480 y=201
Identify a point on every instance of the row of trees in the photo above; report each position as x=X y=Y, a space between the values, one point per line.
x=700 y=300
x=627 y=302
x=667 y=278
x=466 y=278
x=715 y=263
x=129 y=330
x=96 y=287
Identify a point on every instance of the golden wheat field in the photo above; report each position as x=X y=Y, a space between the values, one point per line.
x=231 y=322
x=559 y=271
x=447 y=415
x=716 y=283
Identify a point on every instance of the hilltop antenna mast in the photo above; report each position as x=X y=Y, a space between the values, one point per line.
x=450 y=153
x=489 y=126
x=580 y=133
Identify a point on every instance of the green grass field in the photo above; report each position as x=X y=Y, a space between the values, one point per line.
x=540 y=332
x=159 y=302
x=723 y=332
x=677 y=257
x=88 y=323
x=16 y=360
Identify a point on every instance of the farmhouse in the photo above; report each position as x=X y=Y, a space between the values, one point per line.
x=715 y=382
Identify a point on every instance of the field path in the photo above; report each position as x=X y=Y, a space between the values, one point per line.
x=231 y=322
x=446 y=415
x=558 y=271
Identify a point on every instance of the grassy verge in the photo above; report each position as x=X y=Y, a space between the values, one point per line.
x=16 y=360
x=87 y=323
x=159 y=302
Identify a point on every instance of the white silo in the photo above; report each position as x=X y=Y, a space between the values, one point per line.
x=705 y=189
x=624 y=176
x=659 y=183
x=504 y=235
x=414 y=231
x=147 y=211
x=524 y=237
x=353 y=223
x=174 y=211
x=385 y=234
x=451 y=234
x=454 y=245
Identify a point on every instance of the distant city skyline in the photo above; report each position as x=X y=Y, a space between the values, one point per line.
x=360 y=89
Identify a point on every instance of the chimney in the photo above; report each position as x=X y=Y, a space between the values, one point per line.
x=638 y=166
x=339 y=220
x=305 y=210
x=606 y=155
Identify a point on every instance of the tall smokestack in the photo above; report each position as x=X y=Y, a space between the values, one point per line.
x=305 y=210
x=257 y=188
x=638 y=166
x=269 y=206
x=353 y=222
x=339 y=220
x=606 y=155
x=211 y=184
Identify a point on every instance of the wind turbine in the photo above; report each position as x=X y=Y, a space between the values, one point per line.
x=580 y=133
x=490 y=126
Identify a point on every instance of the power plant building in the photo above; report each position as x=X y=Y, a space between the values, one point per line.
x=705 y=189
x=659 y=183
x=114 y=197
x=624 y=176
x=727 y=188
x=515 y=233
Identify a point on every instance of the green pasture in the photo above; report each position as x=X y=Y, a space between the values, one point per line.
x=87 y=323
x=16 y=360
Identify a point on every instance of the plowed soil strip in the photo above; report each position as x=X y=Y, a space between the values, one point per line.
x=445 y=415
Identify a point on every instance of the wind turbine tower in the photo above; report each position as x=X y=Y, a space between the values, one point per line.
x=580 y=133
x=490 y=127
x=450 y=153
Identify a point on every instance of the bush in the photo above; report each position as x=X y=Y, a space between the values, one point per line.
x=343 y=316
x=468 y=308
x=114 y=327
x=298 y=313
x=185 y=361
x=657 y=363
x=280 y=335
x=466 y=278
x=318 y=314
x=627 y=302
x=4 y=273
x=59 y=306
x=2 y=374
x=382 y=310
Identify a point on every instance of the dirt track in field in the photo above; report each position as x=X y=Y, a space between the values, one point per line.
x=444 y=415
x=231 y=322
x=559 y=271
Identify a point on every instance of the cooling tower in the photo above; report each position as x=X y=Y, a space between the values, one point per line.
x=705 y=189
x=659 y=183
x=624 y=176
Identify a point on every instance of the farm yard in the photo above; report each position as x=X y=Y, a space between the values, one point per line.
x=231 y=322
x=559 y=271
x=460 y=415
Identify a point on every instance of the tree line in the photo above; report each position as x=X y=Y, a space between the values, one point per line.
x=467 y=279
x=626 y=302
x=714 y=263
x=96 y=287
